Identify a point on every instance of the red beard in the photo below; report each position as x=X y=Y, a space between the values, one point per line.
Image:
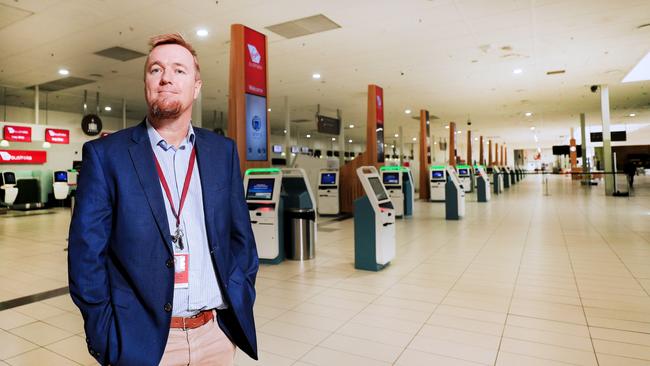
x=163 y=108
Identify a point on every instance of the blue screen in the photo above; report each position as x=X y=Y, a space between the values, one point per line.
x=255 y=128
x=437 y=174
x=328 y=178
x=260 y=189
x=462 y=172
x=61 y=176
x=391 y=178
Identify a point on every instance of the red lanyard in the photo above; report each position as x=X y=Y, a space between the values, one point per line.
x=186 y=185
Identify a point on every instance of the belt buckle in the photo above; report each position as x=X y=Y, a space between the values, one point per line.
x=184 y=324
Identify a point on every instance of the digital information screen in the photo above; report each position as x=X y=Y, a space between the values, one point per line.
x=463 y=172
x=378 y=188
x=437 y=174
x=256 y=128
x=391 y=178
x=9 y=178
x=328 y=178
x=61 y=176
x=260 y=189
x=277 y=149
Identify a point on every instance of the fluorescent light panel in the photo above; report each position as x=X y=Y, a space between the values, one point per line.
x=640 y=72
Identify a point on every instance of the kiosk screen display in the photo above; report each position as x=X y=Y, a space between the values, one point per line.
x=328 y=178
x=378 y=188
x=260 y=189
x=295 y=149
x=256 y=139
x=463 y=172
x=277 y=149
x=391 y=178
x=9 y=178
x=61 y=176
x=437 y=174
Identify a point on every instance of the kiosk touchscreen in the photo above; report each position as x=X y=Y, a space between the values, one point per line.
x=374 y=223
x=328 y=192
x=455 y=196
x=437 y=181
x=482 y=185
x=60 y=185
x=392 y=179
x=262 y=190
x=465 y=175
x=8 y=190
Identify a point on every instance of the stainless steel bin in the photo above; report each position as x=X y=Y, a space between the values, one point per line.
x=300 y=233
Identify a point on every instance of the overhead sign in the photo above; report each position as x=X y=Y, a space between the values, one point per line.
x=614 y=136
x=17 y=133
x=328 y=125
x=57 y=136
x=379 y=116
x=255 y=62
x=23 y=157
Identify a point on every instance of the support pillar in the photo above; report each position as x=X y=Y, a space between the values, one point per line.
x=197 y=108
x=583 y=132
x=469 y=147
x=452 y=144
x=607 y=141
x=287 y=128
x=489 y=162
x=480 y=152
x=37 y=105
x=424 y=166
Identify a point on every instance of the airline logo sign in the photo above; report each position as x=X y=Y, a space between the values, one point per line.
x=17 y=133
x=23 y=157
x=57 y=136
x=255 y=62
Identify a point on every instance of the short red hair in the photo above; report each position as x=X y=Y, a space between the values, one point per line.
x=177 y=39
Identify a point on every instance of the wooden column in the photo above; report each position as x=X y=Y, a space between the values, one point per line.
x=501 y=156
x=505 y=155
x=237 y=97
x=469 y=147
x=480 y=153
x=452 y=144
x=573 y=153
x=372 y=125
x=424 y=166
x=489 y=163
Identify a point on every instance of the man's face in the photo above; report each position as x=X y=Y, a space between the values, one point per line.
x=170 y=81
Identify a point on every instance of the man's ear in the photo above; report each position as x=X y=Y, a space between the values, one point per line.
x=197 y=88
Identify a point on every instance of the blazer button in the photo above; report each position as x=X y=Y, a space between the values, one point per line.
x=168 y=307
x=169 y=263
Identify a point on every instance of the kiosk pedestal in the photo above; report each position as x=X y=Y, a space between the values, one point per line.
x=455 y=196
x=483 y=185
x=392 y=179
x=505 y=177
x=265 y=208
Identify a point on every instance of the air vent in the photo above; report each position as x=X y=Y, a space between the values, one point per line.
x=65 y=83
x=304 y=26
x=120 y=53
x=302 y=120
x=10 y=15
x=555 y=72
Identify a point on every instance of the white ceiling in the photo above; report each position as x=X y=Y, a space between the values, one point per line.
x=453 y=57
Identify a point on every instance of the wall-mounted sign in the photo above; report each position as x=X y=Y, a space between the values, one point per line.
x=17 y=133
x=57 y=136
x=254 y=62
x=91 y=124
x=23 y=157
x=379 y=108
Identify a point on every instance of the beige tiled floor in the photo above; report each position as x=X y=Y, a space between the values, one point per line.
x=526 y=279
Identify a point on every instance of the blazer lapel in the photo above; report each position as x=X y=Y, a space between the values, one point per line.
x=142 y=157
x=211 y=159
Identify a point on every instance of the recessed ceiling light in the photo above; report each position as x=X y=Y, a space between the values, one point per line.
x=415 y=139
x=269 y=109
x=396 y=135
x=108 y=108
x=333 y=138
x=284 y=131
x=435 y=143
x=351 y=126
x=475 y=138
x=46 y=145
x=407 y=111
x=517 y=71
x=447 y=127
x=315 y=76
x=350 y=141
x=640 y=72
x=64 y=72
x=4 y=143
x=528 y=114
x=458 y=131
x=532 y=128
x=308 y=136
x=202 y=32
x=632 y=114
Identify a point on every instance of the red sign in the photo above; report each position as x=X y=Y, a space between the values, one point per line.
x=379 y=116
x=57 y=136
x=23 y=157
x=18 y=133
x=255 y=62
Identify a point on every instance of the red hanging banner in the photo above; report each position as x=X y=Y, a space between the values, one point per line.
x=379 y=113
x=255 y=62
x=23 y=157
x=57 y=136
x=17 y=133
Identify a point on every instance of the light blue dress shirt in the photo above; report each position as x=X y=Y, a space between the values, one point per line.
x=203 y=291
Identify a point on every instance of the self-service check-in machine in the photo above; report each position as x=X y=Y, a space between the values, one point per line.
x=408 y=187
x=393 y=181
x=505 y=177
x=511 y=173
x=437 y=181
x=496 y=181
x=374 y=223
x=8 y=190
x=60 y=186
x=465 y=174
x=455 y=196
x=482 y=185
x=262 y=188
x=328 y=192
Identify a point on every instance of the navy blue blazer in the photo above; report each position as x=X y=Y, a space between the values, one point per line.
x=120 y=255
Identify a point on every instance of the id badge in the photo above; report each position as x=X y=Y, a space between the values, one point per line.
x=181 y=270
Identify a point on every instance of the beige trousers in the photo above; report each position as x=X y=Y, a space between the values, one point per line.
x=205 y=345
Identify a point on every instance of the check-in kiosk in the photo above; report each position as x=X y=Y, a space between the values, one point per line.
x=496 y=181
x=513 y=180
x=60 y=186
x=408 y=187
x=8 y=190
x=437 y=182
x=374 y=223
x=505 y=176
x=465 y=174
x=482 y=185
x=328 y=192
x=392 y=179
x=262 y=188
x=455 y=196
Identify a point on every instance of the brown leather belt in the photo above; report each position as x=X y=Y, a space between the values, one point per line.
x=193 y=322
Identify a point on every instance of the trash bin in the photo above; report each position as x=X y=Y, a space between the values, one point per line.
x=299 y=236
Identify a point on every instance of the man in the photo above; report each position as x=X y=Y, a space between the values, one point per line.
x=162 y=259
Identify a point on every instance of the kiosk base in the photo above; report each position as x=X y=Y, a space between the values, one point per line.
x=365 y=251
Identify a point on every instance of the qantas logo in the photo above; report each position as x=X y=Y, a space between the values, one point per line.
x=255 y=55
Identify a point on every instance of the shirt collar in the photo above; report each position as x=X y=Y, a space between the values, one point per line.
x=157 y=140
